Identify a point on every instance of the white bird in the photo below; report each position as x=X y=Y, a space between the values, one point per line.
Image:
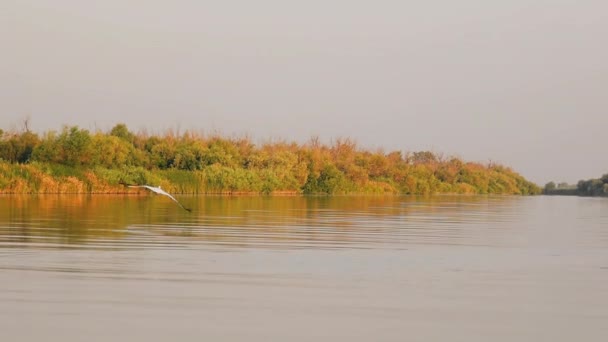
x=159 y=191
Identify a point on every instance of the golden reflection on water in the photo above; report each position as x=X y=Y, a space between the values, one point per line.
x=286 y=222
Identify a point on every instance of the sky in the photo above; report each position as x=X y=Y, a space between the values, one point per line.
x=521 y=82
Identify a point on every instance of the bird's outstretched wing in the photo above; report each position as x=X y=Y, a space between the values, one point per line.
x=151 y=188
x=173 y=198
x=160 y=192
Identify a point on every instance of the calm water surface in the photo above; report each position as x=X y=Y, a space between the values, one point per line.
x=135 y=268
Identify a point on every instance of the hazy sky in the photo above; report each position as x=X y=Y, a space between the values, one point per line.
x=520 y=82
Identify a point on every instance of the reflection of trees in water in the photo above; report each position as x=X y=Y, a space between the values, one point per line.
x=238 y=220
x=64 y=219
x=331 y=220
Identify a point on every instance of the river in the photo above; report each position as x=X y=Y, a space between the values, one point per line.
x=294 y=268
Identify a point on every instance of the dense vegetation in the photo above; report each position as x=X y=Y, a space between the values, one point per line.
x=76 y=160
x=590 y=187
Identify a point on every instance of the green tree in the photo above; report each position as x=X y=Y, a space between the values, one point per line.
x=121 y=131
x=111 y=151
x=423 y=157
x=48 y=150
x=332 y=181
x=18 y=148
x=222 y=152
x=76 y=146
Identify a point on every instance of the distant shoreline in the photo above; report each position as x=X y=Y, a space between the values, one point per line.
x=595 y=187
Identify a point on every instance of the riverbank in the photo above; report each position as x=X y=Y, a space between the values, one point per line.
x=78 y=161
x=44 y=178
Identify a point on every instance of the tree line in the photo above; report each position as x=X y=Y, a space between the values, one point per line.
x=78 y=160
x=590 y=187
